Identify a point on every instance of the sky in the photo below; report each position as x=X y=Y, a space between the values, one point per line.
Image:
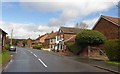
x=31 y=18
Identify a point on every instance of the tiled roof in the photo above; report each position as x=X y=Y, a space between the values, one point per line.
x=70 y=30
x=52 y=35
x=114 y=20
x=71 y=39
x=41 y=36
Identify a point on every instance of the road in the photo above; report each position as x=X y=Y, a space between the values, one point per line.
x=31 y=60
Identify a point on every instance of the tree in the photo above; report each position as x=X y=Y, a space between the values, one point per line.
x=7 y=40
x=90 y=37
x=82 y=25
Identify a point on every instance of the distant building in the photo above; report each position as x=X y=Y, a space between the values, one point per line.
x=2 y=38
x=41 y=39
x=50 y=41
x=29 y=42
x=20 y=44
x=109 y=26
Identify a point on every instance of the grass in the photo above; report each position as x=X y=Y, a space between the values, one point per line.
x=4 y=57
x=113 y=62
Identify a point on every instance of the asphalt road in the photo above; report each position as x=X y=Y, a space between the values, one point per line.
x=29 y=60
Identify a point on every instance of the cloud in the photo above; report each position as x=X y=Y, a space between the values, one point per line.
x=24 y=31
x=91 y=22
x=69 y=11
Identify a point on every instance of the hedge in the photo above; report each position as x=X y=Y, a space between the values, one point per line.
x=37 y=47
x=90 y=37
x=112 y=49
x=74 y=48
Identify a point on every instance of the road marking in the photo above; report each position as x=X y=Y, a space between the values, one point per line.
x=35 y=55
x=42 y=62
x=38 y=58
x=8 y=64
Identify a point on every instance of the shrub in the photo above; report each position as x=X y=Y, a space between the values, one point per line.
x=73 y=47
x=37 y=47
x=112 y=49
x=90 y=37
x=7 y=47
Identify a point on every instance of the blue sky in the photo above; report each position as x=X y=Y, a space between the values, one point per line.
x=46 y=16
x=13 y=12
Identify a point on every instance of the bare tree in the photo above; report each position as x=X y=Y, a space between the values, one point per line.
x=82 y=25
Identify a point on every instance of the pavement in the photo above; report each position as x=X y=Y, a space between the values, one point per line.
x=98 y=63
x=30 y=60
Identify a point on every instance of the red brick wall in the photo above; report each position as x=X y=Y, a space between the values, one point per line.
x=84 y=52
x=107 y=28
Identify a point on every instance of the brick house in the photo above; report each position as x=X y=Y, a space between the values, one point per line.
x=109 y=26
x=65 y=34
x=51 y=40
x=41 y=39
x=2 y=38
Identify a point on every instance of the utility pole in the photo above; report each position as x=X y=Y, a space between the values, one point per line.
x=11 y=37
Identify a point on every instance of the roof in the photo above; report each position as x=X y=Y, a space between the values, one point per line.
x=3 y=31
x=29 y=39
x=52 y=35
x=71 y=39
x=41 y=37
x=114 y=20
x=69 y=30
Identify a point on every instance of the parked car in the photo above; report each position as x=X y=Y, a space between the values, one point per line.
x=12 y=48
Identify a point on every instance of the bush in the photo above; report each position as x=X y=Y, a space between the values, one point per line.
x=112 y=49
x=73 y=47
x=37 y=47
x=90 y=37
x=7 y=47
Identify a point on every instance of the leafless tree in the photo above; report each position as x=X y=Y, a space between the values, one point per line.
x=82 y=25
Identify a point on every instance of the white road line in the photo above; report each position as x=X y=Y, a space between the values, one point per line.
x=8 y=64
x=38 y=58
x=42 y=62
x=35 y=55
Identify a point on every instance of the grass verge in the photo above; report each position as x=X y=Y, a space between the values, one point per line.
x=4 y=57
x=113 y=62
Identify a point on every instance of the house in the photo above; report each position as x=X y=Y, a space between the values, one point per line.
x=41 y=39
x=65 y=34
x=2 y=38
x=51 y=40
x=20 y=44
x=109 y=26
x=29 y=43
